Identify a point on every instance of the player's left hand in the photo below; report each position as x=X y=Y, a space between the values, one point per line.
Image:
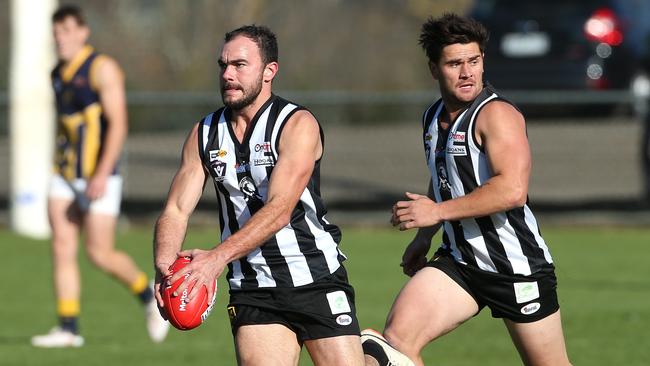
x=419 y=212
x=160 y=274
x=204 y=269
x=415 y=256
x=96 y=187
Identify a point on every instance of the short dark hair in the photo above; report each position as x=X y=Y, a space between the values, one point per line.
x=262 y=36
x=65 y=11
x=449 y=29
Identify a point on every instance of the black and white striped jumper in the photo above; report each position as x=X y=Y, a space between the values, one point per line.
x=505 y=242
x=303 y=251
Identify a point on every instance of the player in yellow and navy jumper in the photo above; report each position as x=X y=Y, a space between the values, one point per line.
x=82 y=125
x=85 y=189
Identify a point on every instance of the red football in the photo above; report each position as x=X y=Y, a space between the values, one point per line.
x=182 y=314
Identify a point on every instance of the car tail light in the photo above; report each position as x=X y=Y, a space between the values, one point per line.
x=603 y=26
x=598 y=84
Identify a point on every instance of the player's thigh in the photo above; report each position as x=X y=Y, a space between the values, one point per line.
x=99 y=241
x=430 y=305
x=540 y=342
x=65 y=223
x=61 y=208
x=100 y=218
x=266 y=345
x=335 y=351
x=99 y=229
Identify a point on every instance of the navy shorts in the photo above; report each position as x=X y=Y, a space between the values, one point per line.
x=522 y=299
x=321 y=309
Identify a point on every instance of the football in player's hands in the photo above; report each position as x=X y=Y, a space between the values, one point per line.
x=181 y=313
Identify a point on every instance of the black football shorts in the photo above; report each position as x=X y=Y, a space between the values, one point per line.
x=321 y=309
x=522 y=299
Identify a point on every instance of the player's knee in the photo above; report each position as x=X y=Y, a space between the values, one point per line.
x=400 y=341
x=98 y=257
x=63 y=248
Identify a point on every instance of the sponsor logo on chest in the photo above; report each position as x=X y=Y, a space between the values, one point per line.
x=263 y=147
x=216 y=154
x=457 y=136
x=456 y=150
x=242 y=168
x=80 y=81
x=263 y=161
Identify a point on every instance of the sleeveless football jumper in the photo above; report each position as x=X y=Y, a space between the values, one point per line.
x=505 y=242
x=303 y=251
x=81 y=123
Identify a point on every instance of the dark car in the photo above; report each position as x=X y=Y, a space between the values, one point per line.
x=566 y=44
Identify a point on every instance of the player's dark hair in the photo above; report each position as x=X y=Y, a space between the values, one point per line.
x=65 y=11
x=449 y=29
x=262 y=36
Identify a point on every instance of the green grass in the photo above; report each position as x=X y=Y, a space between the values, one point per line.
x=604 y=289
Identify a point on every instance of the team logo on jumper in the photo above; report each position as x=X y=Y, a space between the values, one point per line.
x=215 y=154
x=427 y=145
x=443 y=181
x=344 y=319
x=531 y=308
x=338 y=302
x=263 y=147
x=457 y=136
x=219 y=169
x=265 y=161
x=248 y=188
x=456 y=150
x=526 y=291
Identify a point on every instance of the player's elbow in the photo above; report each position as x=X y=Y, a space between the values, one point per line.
x=283 y=219
x=281 y=208
x=516 y=196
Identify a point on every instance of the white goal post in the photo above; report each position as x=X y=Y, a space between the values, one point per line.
x=31 y=115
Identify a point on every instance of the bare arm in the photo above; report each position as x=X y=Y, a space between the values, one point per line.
x=109 y=81
x=298 y=149
x=184 y=194
x=501 y=129
x=415 y=254
x=427 y=233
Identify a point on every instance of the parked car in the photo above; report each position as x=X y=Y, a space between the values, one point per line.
x=566 y=44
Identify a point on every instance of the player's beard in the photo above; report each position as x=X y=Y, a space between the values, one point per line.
x=248 y=97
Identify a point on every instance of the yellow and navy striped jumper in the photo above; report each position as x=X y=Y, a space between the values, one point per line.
x=81 y=123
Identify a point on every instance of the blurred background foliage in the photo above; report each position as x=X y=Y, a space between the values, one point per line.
x=357 y=65
x=355 y=45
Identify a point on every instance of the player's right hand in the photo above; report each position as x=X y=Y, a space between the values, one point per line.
x=96 y=187
x=206 y=266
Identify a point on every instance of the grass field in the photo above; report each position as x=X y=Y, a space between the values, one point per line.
x=604 y=288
